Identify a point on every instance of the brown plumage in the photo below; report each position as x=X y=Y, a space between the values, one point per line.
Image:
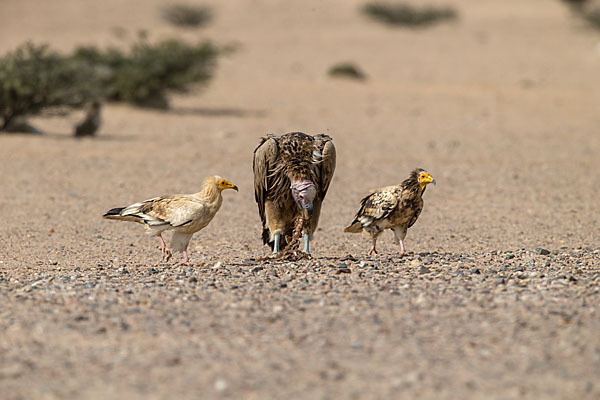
x=392 y=207
x=292 y=173
x=184 y=214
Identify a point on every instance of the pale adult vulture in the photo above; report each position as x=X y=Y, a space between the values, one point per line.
x=184 y=214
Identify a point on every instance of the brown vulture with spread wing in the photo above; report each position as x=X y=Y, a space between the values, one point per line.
x=392 y=207
x=292 y=173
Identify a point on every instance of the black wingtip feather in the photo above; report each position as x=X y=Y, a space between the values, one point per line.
x=114 y=211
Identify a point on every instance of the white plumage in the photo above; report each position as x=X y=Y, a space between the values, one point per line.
x=184 y=214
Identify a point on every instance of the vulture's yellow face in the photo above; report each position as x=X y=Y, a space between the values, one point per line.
x=425 y=179
x=223 y=184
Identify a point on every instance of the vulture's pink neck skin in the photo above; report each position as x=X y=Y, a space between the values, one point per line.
x=304 y=192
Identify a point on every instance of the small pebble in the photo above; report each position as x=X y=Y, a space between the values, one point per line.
x=220 y=385
x=424 y=270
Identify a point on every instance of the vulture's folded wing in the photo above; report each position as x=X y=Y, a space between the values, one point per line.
x=265 y=160
x=324 y=157
x=415 y=215
x=376 y=206
x=175 y=211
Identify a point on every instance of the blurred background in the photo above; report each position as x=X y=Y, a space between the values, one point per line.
x=105 y=103
x=498 y=100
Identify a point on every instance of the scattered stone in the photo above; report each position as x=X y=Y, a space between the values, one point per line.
x=541 y=251
x=424 y=270
x=277 y=308
x=427 y=260
x=476 y=271
x=343 y=270
x=220 y=385
x=257 y=268
x=510 y=256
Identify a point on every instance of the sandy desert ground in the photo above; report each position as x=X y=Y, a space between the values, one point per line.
x=500 y=106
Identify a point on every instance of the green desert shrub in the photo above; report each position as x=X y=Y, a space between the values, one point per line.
x=592 y=16
x=33 y=77
x=403 y=14
x=143 y=75
x=186 y=15
x=346 y=70
x=575 y=3
x=588 y=10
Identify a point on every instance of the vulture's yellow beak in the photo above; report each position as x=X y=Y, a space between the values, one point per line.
x=425 y=179
x=223 y=184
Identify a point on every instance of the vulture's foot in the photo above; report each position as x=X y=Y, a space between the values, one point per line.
x=276 y=241
x=373 y=249
x=166 y=254
x=306 y=249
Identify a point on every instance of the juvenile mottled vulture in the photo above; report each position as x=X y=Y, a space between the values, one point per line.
x=184 y=214
x=392 y=207
x=292 y=173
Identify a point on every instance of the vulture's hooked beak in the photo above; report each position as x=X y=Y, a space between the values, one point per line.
x=229 y=185
x=307 y=210
x=304 y=193
x=424 y=179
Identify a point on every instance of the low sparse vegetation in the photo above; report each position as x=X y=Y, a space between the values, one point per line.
x=403 y=14
x=347 y=70
x=588 y=10
x=593 y=17
x=145 y=74
x=186 y=15
x=575 y=3
x=33 y=77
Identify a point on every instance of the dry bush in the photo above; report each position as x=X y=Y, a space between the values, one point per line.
x=186 y=15
x=403 y=14
x=347 y=70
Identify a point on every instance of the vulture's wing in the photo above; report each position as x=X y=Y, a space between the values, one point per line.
x=376 y=206
x=416 y=215
x=264 y=163
x=174 y=211
x=324 y=158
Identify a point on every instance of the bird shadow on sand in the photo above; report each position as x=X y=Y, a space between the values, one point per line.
x=101 y=137
x=230 y=112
